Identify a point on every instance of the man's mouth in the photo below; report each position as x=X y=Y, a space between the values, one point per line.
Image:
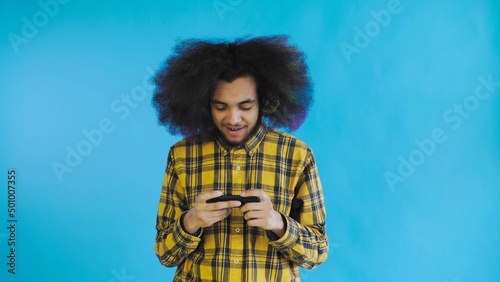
x=234 y=130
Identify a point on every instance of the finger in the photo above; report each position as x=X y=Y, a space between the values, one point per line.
x=255 y=192
x=219 y=214
x=224 y=205
x=212 y=217
x=247 y=215
x=251 y=206
x=255 y=222
x=252 y=223
x=224 y=214
x=208 y=195
x=251 y=215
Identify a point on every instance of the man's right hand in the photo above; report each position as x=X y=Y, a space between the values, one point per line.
x=204 y=215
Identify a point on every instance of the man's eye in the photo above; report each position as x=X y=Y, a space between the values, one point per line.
x=220 y=108
x=246 y=108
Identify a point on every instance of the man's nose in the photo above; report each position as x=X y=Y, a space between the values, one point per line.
x=234 y=116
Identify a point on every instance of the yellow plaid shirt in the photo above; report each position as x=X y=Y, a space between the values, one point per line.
x=229 y=250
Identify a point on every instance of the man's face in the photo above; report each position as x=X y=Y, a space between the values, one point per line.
x=235 y=108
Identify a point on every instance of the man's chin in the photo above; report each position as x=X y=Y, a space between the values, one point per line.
x=234 y=141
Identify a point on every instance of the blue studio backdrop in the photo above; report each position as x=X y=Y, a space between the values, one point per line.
x=404 y=128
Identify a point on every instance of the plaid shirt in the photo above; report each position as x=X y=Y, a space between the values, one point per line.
x=229 y=250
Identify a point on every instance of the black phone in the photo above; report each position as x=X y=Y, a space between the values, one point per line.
x=243 y=200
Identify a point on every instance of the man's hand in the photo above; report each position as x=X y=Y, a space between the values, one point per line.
x=204 y=215
x=262 y=214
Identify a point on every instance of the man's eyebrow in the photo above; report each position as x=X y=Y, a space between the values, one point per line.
x=247 y=101
x=215 y=101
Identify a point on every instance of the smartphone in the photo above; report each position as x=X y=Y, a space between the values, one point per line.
x=243 y=200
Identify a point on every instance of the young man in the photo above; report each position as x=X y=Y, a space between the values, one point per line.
x=222 y=96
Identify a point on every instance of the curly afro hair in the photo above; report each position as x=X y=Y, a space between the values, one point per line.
x=186 y=82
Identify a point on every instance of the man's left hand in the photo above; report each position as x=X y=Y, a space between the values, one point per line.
x=262 y=214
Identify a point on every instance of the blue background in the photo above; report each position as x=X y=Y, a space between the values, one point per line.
x=385 y=107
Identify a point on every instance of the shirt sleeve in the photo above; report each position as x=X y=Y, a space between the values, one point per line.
x=173 y=243
x=305 y=242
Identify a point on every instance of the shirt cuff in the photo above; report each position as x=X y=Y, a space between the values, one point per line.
x=185 y=238
x=181 y=221
x=288 y=239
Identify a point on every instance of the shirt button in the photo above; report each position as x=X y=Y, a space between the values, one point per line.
x=250 y=153
x=238 y=167
x=236 y=261
x=237 y=230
